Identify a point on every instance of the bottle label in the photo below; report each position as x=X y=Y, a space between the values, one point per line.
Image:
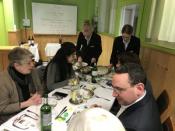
x=46 y=119
x=94 y=73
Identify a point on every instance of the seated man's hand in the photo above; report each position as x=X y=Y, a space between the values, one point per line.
x=95 y=105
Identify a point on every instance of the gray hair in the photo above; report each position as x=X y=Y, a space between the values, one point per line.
x=19 y=55
x=95 y=119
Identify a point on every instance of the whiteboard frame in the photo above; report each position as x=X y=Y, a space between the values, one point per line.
x=47 y=27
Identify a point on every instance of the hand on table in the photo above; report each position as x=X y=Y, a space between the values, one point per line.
x=34 y=100
x=95 y=105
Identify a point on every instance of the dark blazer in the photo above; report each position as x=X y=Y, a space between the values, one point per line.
x=142 y=116
x=119 y=47
x=93 y=49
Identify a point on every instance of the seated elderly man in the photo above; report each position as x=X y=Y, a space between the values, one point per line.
x=137 y=110
x=20 y=86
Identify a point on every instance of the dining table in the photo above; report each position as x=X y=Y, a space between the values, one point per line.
x=29 y=119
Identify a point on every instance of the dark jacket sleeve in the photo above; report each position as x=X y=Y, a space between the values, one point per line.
x=137 y=48
x=98 y=47
x=114 y=52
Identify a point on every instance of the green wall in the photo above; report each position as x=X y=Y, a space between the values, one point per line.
x=85 y=9
x=9 y=14
x=120 y=5
x=3 y=33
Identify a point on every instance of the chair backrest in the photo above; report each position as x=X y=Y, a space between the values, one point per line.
x=163 y=101
x=168 y=124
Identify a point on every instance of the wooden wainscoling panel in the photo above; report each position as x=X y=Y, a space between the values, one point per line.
x=14 y=38
x=159 y=67
x=4 y=51
x=107 y=43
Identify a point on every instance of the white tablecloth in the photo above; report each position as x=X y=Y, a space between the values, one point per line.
x=51 y=49
x=62 y=126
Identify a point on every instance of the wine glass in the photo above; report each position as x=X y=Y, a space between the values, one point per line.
x=53 y=103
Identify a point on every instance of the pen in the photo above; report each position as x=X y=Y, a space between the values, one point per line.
x=61 y=112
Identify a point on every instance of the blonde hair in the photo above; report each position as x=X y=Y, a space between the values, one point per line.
x=19 y=55
x=95 y=119
x=87 y=22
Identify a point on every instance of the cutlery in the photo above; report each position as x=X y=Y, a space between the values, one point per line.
x=69 y=118
x=102 y=97
x=32 y=112
x=66 y=88
x=105 y=87
x=30 y=117
x=62 y=111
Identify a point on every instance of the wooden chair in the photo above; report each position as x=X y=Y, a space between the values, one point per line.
x=163 y=101
x=168 y=125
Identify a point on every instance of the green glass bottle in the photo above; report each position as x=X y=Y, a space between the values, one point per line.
x=46 y=115
x=94 y=73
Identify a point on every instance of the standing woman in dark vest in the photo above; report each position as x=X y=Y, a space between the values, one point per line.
x=125 y=43
x=88 y=45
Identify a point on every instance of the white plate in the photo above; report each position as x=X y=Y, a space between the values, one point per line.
x=77 y=65
x=102 y=70
x=81 y=64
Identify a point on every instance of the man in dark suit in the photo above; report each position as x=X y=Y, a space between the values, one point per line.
x=124 y=43
x=88 y=45
x=137 y=110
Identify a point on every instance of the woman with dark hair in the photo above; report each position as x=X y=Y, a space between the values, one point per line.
x=59 y=70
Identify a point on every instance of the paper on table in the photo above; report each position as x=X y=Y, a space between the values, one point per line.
x=65 y=115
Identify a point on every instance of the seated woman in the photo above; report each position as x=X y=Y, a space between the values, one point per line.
x=95 y=119
x=20 y=86
x=59 y=70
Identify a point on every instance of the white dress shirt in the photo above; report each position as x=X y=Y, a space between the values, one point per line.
x=123 y=108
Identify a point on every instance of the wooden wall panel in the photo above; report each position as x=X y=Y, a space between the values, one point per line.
x=107 y=43
x=14 y=38
x=160 y=71
x=4 y=59
x=1 y=61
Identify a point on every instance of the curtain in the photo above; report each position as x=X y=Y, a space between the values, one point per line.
x=167 y=27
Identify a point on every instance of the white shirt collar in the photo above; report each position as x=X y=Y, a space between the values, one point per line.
x=123 y=108
x=135 y=101
x=88 y=39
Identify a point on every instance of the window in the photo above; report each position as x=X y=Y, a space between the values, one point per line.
x=162 y=21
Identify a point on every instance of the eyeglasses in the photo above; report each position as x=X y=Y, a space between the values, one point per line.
x=119 y=90
x=28 y=62
x=22 y=123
